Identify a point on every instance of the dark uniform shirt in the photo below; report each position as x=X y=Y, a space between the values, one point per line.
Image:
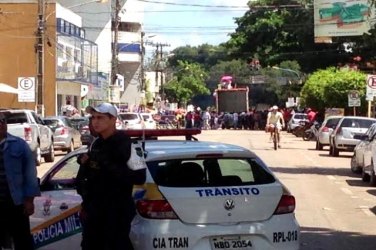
x=105 y=182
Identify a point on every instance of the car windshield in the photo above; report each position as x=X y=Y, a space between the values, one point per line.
x=52 y=123
x=300 y=116
x=128 y=116
x=14 y=118
x=209 y=172
x=357 y=123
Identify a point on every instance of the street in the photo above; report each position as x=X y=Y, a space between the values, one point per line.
x=334 y=208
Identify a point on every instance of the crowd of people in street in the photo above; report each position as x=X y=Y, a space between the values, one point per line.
x=251 y=120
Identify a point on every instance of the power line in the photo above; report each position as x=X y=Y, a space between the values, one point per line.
x=193 y=5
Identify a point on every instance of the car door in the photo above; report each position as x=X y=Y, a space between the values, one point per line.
x=56 y=223
x=74 y=132
x=367 y=152
x=44 y=132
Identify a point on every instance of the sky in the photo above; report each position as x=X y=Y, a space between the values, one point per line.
x=181 y=22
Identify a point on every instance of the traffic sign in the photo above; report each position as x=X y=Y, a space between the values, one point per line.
x=371 y=87
x=26 y=89
x=353 y=98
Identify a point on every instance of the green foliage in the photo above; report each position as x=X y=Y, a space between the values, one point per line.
x=189 y=80
x=329 y=88
x=282 y=33
x=206 y=55
x=238 y=69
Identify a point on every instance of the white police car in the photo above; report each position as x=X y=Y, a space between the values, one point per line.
x=198 y=195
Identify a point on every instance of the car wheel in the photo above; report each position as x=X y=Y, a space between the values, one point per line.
x=319 y=145
x=50 y=157
x=330 y=150
x=365 y=176
x=372 y=177
x=71 y=147
x=354 y=166
x=335 y=151
x=38 y=156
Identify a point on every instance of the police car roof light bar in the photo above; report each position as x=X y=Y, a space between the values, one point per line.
x=162 y=132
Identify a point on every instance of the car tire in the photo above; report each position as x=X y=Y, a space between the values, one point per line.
x=354 y=167
x=335 y=151
x=372 y=177
x=50 y=157
x=319 y=146
x=330 y=150
x=71 y=147
x=365 y=176
x=38 y=156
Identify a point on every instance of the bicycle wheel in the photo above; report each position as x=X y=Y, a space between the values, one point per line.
x=275 y=140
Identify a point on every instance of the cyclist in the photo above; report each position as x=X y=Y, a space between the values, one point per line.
x=275 y=118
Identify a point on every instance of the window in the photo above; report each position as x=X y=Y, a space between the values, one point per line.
x=209 y=172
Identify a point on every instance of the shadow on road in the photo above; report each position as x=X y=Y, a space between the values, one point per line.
x=303 y=169
x=326 y=239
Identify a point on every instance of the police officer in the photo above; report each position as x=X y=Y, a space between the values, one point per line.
x=105 y=183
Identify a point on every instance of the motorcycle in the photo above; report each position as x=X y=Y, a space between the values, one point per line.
x=300 y=130
x=311 y=133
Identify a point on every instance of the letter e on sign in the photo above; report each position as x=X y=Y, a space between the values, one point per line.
x=371 y=82
x=26 y=89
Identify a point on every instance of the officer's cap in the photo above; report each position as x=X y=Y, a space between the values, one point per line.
x=104 y=108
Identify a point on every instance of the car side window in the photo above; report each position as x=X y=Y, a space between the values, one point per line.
x=64 y=177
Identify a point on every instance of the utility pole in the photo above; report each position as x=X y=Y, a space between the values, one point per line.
x=160 y=65
x=115 y=51
x=40 y=58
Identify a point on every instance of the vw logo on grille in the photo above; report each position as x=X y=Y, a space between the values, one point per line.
x=229 y=204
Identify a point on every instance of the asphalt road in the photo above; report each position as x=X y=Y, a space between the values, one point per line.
x=335 y=209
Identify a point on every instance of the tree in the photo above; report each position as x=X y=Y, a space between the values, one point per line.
x=238 y=69
x=188 y=81
x=206 y=55
x=284 y=32
x=329 y=88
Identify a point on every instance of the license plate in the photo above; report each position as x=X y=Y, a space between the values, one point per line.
x=231 y=242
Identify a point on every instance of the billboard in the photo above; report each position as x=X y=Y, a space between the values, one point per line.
x=342 y=17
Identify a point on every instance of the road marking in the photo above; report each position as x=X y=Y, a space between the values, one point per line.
x=365 y=210
x=331 y=177
x=346 y=191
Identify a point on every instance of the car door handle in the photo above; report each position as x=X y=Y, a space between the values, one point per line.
x=63 y=206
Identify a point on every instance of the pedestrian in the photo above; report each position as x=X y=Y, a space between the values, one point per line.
x=18 y=187
x=105 y=184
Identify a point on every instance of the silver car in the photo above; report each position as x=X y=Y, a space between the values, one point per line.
x=66 y=137
x=363 y=151
x=294 y=121
x=325 y=130
x=342 y=137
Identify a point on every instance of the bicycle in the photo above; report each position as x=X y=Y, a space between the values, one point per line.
x=275 y=134
x=275 y=137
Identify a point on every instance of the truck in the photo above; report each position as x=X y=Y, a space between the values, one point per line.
x=27 y=125
x=232 y=100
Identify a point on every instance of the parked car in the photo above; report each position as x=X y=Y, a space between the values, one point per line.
x=79 y=122
x=363 y=150
x=198 y=195
x=149 y=121
x=325 y=130
x=132 y=120
x=27 y=125
x=294 y=121
x=342 y=137
x=66 y=137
